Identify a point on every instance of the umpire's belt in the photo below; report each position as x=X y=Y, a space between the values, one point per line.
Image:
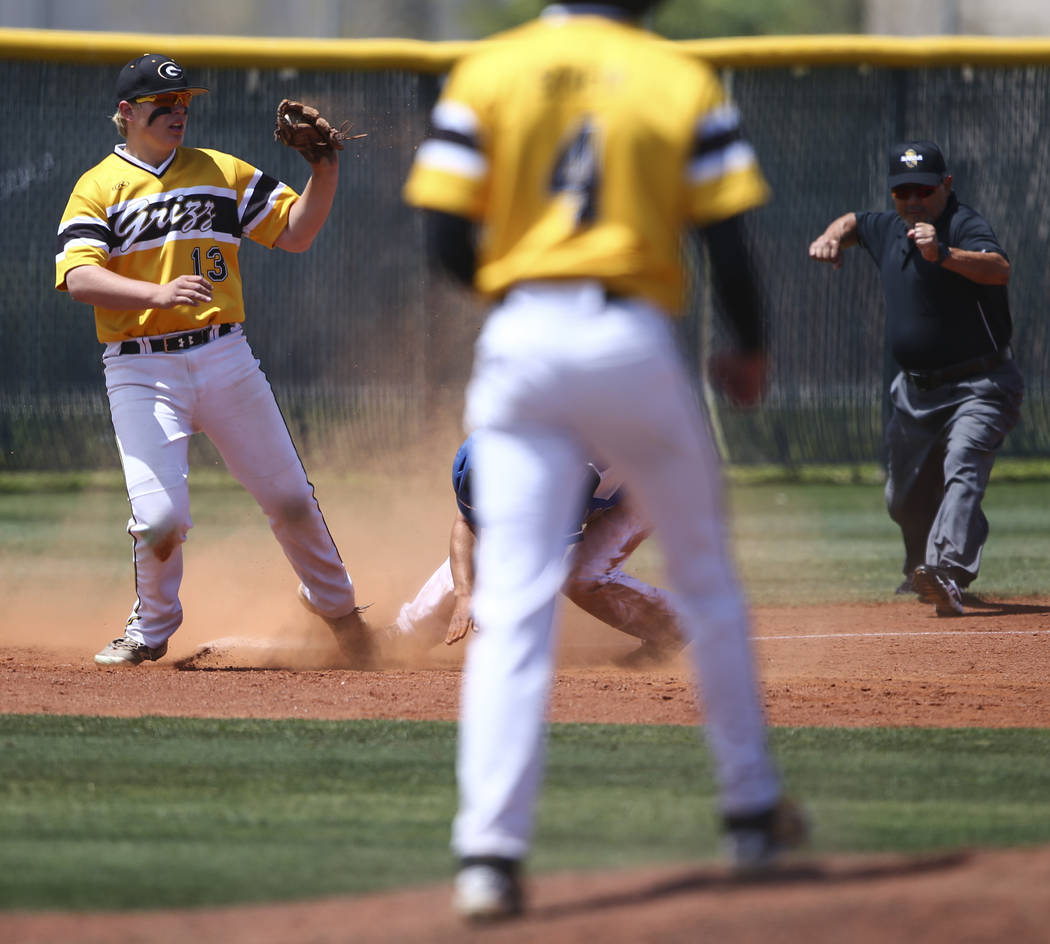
x=176 y=342
x=931 y=379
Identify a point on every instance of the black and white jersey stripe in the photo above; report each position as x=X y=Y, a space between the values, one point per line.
x=149 y=221
x=453 y=143
x=719 y=146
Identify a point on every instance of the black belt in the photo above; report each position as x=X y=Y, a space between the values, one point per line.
x=610 y=294
x=176 y=342
x=931 y=379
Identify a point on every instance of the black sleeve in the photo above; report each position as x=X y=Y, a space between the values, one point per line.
x=973 y=232
x=875 y=231
x=735 y=281
x=451 y=245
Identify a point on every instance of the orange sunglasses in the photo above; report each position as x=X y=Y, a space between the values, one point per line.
x=167 y=99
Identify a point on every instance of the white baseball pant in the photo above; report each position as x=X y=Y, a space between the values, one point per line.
x=561 y=374
x=157 y=401
x=596 y=583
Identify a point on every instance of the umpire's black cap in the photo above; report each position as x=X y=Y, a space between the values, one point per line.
x=916 y=162
x=152 y=74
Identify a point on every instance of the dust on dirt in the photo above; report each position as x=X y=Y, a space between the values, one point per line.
x=249 y=650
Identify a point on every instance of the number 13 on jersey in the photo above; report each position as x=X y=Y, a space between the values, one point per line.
x=217 y=271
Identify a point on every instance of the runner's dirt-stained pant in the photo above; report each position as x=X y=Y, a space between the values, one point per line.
x=596 y=583
x=157 y=402
x=562 y=373
x=941 y=445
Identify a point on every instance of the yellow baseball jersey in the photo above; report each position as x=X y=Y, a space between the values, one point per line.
x=583 y=145
x=186 y=217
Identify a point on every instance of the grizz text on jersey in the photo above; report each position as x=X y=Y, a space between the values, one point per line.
x=143 y=220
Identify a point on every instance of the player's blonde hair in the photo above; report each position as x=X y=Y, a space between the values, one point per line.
x=121 y=122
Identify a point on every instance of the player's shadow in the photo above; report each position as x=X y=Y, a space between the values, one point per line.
x=714 y=880
x=976 y=606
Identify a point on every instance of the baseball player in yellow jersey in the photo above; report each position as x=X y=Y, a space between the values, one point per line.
x=150 y=238
x=566 y=159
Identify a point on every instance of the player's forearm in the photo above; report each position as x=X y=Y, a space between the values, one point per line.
x=97 y=286
x=309 y=213
x=461 y=557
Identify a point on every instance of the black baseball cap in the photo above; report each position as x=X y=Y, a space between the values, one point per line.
x=152 y=74
x=916 y=162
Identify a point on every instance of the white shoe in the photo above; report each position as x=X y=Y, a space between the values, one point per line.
x=487 y=889
x=126 y=651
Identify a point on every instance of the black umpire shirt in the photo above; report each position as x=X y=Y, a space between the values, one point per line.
x=934 y=317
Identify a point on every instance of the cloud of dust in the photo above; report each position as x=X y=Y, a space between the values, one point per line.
x=239 y=592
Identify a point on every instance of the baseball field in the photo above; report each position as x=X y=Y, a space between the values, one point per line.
x=246 y=788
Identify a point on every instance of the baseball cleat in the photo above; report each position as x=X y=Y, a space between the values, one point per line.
x=907 y=585
x=488 y=888
x=648 y=655
x=352 y=634
x=127 y=651
x=933 y=585
x=755 y=843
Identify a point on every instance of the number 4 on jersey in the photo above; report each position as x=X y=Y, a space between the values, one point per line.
x=577 y=173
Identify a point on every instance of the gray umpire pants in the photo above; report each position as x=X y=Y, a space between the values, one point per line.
x=941 y=446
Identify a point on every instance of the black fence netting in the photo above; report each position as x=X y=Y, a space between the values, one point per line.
x=364 y=347
x=823 y=136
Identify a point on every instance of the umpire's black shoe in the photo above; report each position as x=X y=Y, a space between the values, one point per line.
x=907 y=585
x=933 y=585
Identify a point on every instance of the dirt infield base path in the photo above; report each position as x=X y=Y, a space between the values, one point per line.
x=857 y=665
x=992 y=897
x=876 y=664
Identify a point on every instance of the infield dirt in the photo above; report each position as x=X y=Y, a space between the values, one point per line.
x=855 y=665
x=892 y=663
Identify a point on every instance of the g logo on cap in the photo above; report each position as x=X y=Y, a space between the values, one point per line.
x=152 y=74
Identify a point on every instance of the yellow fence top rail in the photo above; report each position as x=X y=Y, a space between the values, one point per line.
x=422 y=56
x=887 y=51
x=263 y=52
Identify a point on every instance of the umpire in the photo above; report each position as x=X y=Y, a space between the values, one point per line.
x=958 y=392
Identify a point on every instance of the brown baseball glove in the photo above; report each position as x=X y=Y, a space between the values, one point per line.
x=302 y=127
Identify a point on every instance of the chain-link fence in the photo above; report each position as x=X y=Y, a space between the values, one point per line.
x=363 y=346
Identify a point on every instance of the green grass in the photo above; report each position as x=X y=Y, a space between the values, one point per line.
x=168 y=812
x=140 y=813
x=106 y=813
x=815 y=542
x=808 y=538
